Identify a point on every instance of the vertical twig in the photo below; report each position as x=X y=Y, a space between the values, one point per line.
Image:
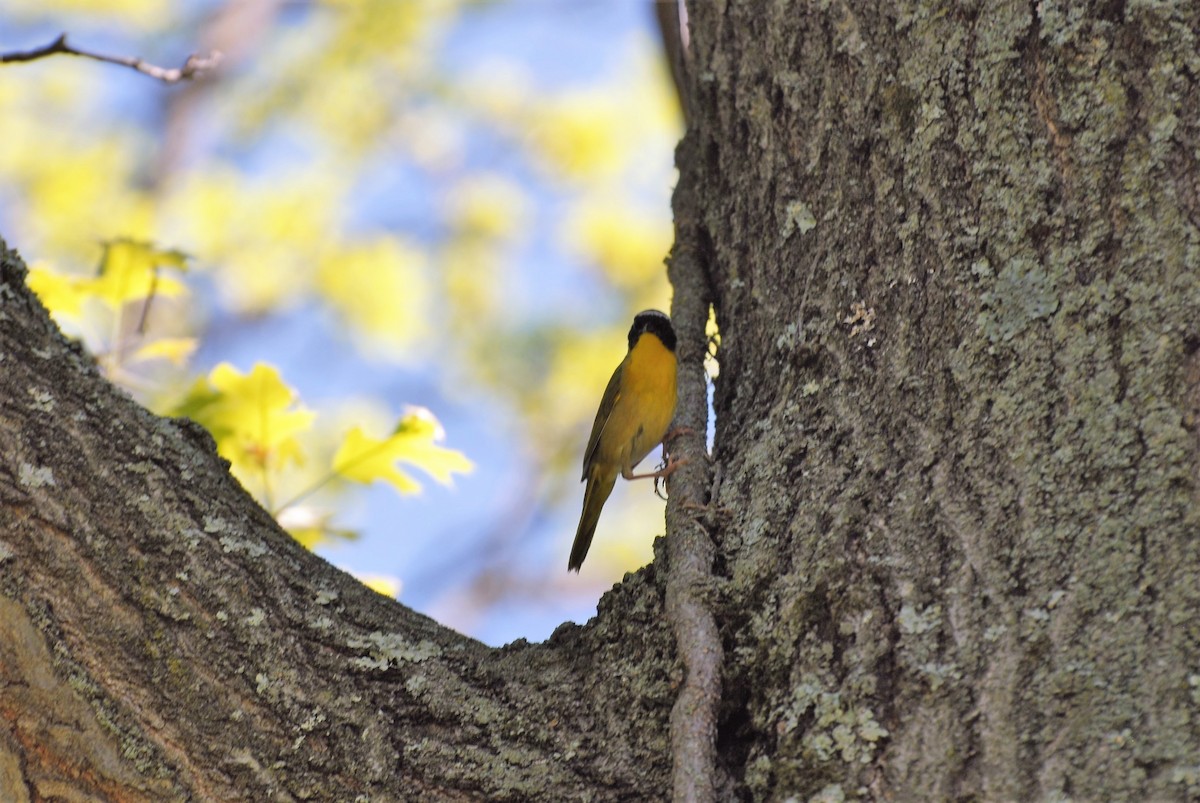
x=690 y=550
x=672 y=19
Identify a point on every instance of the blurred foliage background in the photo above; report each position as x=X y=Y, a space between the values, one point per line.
x=417 y=229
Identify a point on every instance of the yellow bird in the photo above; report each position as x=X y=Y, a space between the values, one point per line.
x=634 y=414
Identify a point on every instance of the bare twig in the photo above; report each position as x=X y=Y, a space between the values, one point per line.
x=671 y=16
x=195 y=66
x=690 y=549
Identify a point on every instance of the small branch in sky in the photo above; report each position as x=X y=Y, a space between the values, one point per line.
x=195 y=66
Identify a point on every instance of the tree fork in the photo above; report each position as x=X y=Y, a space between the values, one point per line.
x=161 y=638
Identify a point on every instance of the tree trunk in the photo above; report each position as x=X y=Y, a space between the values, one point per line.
x=954 y=256
x=955 y=261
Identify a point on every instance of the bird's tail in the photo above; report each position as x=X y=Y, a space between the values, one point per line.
x=599 y=486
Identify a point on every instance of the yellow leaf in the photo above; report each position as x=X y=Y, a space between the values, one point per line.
x=380 y=288
x=261 y=237
x=313 y=527
x=147 y=15
x=473 y=274
x=129 y=272
x=308 y=537
x=365 y=459
x=579 y=135
x=175 y=349
x=71 y=185
x=381 y=584
x=488 y=206
x=253 y=417
x=62 y=295
x=627 y=242
x=596 y=134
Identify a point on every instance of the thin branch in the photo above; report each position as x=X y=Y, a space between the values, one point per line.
x=671 y=16
x=195 y=66
x=691 y=585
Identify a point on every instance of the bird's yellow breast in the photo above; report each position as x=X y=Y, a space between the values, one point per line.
x=645 y=406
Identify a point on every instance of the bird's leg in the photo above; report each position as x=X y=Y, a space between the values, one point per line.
x=666 y=471
x=675 y=433
x=672 y=463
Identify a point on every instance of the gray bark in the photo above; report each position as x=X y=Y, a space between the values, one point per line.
x=163 y=639
x=956 y=268
x=954 y=256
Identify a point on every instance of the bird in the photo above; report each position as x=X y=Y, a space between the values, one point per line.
x=633 y=418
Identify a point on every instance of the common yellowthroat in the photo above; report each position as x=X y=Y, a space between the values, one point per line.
x=634 y=414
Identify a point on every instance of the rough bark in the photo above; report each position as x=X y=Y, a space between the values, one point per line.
x=955 y=257
x=163 y=639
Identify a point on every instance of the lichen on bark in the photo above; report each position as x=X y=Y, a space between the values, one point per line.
x=962 y=528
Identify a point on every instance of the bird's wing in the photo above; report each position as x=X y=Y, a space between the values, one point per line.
x=612 y=394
